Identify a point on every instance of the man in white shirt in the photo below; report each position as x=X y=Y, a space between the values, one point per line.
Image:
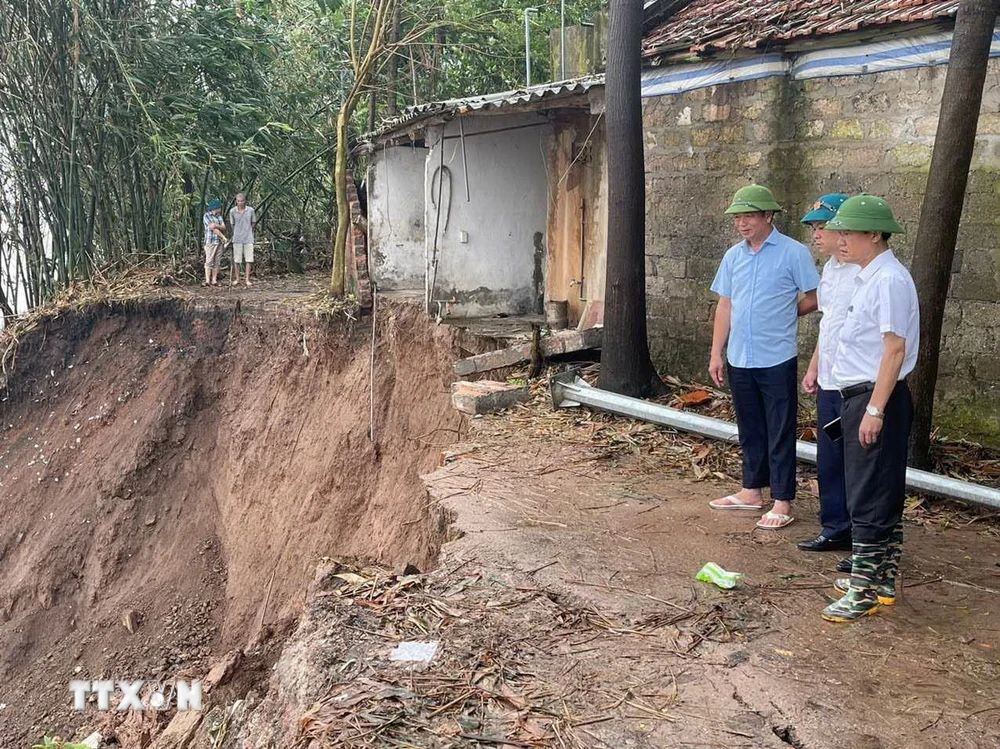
x=876 y=350
x=243 y=220
x=836 y=285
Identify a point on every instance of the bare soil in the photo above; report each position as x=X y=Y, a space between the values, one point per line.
x=621 y=535
x=567 y=614
x=184 y=464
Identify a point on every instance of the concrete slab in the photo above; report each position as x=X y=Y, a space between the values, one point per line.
x=561 y=342
x=486 y=396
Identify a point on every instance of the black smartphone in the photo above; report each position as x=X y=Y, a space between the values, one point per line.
x=834 y=430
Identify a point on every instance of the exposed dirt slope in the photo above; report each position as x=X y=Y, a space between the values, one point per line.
x=567 y=615
x=188 y=466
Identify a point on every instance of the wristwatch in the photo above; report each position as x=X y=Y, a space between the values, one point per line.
x=872 y=411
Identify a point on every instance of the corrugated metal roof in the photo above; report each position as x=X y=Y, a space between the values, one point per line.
x=504 y=100
x=707 y=26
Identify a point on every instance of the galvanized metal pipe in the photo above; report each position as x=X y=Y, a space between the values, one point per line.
x=562 y=40
x=465 y=160
x=527 y=45
x=569 y=389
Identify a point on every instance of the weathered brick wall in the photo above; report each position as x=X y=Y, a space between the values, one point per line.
x=804 y=138
x=358 y=280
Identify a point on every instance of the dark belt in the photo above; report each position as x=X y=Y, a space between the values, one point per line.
x=855 y=390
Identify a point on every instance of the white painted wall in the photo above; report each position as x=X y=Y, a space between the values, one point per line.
x=396 y=217
x=499 y=266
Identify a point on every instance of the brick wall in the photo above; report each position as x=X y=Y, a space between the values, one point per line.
x=357 y=249
x=804 y=138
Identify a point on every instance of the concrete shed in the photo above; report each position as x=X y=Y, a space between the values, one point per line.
x=494 y=204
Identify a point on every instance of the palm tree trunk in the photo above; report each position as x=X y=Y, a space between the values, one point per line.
x=625 y=364
x=934 y=251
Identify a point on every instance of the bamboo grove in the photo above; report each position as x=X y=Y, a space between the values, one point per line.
x=121 y=119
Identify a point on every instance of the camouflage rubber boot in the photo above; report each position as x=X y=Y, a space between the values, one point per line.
x=861 y=597
x=889 y=571
x=886 y=590
x=886 y=593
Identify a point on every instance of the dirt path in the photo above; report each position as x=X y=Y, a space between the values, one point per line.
x=753 y=667
x=264 y=290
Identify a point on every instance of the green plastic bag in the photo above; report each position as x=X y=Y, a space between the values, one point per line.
x=713 y=573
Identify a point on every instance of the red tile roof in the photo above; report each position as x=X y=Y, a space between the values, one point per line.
x=707 y=26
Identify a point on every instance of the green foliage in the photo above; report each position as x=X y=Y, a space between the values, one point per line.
x=476 y=46
x=485 y=43
x=120 y=120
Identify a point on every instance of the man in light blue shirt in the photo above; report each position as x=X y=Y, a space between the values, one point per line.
x=759 y=282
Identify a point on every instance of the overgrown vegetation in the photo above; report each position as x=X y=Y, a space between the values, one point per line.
x=120 y=119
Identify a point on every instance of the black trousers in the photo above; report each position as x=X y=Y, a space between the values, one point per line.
x=766 y=400
x=876 y=475
x=833 y=514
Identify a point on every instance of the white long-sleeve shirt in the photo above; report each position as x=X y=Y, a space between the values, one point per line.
x=836 y=287
x=884 y=301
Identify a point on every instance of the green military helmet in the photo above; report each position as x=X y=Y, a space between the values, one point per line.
x=865 y=213
x=825 y=208
x=753 y=198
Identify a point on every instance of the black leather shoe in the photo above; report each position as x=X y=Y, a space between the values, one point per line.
x=822 y=543
x=846 y=565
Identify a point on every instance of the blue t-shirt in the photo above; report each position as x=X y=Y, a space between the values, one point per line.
x=764 y=288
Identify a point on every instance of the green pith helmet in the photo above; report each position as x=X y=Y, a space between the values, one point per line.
x=753 y=198
x=825 y=208
x=214 y=204
x=865 y=213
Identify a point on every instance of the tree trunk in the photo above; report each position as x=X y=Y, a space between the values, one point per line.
x=364 y=69
x=625 y=364
x=941 y=212
x=343 y=211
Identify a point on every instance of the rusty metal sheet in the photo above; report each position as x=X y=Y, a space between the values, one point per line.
x=504 y=100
